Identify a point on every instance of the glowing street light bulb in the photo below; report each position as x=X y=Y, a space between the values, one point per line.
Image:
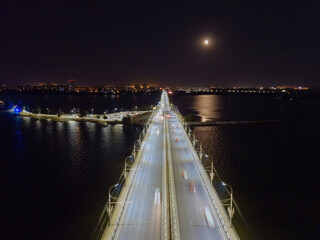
x=206 y=42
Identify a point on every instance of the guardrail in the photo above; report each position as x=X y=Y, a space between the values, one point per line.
x=125 y=180
x=212 y=181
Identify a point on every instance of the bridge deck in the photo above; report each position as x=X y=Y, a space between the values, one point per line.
x=200 y=213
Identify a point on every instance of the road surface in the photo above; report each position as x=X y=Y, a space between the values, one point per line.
x=167 y=144
x=195 y=222
x=141 y=218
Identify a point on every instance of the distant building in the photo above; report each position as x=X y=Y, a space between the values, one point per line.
x=39 y=84
x=137 y=87
x=128 y=88
x=109 y=87
x=71 y=84
x=144 y=86
x=286 y=87
x=82 y=89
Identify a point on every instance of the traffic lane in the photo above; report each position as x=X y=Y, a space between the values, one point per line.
x=200 y=200
x=145 y=221
x=200 y=182
x=134 y=210
x=194 y=186
x=139 y=212
x=187 y=220
x=195 y=211
x=192 y=222
x=207 y=195
x=188 y=157
x=147 y=173
x=204 y=193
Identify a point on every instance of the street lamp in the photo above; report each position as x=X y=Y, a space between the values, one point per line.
x=126 y=166
x=211 y=168
x=197 y=141
x=230 y=207
x=109 y=202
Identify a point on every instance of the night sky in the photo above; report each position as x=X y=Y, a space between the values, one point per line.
x=252 y=43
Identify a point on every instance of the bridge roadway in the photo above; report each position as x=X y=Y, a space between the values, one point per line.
x=192 y=197
x=142 y=216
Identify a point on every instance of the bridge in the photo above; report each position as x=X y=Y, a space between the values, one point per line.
x=165 y=192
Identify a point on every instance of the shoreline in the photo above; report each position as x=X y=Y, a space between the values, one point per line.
x=134 y=117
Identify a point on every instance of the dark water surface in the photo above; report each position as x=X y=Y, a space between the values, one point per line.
x=273 y=168
x=54 y=176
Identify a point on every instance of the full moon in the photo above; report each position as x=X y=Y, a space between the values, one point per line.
x=206 y=42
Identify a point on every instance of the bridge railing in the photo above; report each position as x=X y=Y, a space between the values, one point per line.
x=124 y=181
x=215 y=184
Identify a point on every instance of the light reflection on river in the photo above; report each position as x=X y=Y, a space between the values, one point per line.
x=208 y=107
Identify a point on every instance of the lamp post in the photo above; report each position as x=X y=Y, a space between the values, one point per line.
x=211 y=168
x=197 y=141
x=109 y=202
x=230 y=207
x=126 y=165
